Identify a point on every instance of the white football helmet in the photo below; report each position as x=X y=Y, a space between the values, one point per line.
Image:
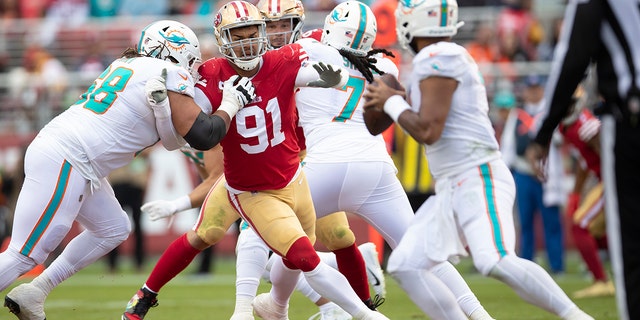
x=173 y=41
x=426 y=18
x=239 y=14
x=276 y=10
x=352 y=26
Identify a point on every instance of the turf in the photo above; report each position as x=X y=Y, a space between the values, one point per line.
x=94 y=294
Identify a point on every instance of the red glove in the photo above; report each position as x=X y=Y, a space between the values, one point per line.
x=573 y=202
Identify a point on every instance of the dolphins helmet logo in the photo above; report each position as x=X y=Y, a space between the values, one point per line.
x=338 y=15
x=175 y=39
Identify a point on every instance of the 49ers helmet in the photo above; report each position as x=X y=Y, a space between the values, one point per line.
x=276 y=10
x=239 y=14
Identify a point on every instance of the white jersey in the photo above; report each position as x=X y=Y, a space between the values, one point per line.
x=113 y=121
x=468 y=138
x=332 y=119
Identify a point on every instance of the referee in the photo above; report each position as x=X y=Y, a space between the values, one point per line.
x=606 y=32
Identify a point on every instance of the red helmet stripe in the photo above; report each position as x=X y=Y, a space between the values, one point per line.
x=240 y=12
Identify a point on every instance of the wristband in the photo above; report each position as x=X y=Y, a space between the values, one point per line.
x=394 y=106
x=182 y=203
x=229 y=108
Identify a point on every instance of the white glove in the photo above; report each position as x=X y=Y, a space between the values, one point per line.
x=161 y=209
x=237 y=92
x=329 y=78
x=156 y=89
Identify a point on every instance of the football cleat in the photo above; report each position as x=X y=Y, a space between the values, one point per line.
x=374 y=302
x=26 y=301
x=598 y=289
x=335 y=313
x=242 y=316
x=374 y=270
x=140 y=304
x=267 y=309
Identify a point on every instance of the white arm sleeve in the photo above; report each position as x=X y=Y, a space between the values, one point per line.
x=170 y=138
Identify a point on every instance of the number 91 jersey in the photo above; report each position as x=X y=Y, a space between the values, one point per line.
x=260 y=149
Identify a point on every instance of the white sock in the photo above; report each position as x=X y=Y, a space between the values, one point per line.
x=331 y=284
x=303 y=287
x=43 y=282
x=429 y=293
x=533 y=284
x=283 y=281
x=243 y=305
x=450 y=276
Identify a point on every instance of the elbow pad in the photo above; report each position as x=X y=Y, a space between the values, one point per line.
x=206 y=132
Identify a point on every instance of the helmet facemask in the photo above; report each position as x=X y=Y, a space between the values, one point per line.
x=275 y=11
x=241 y=34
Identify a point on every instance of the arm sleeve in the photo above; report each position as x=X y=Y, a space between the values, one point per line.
x=206 y=132
x=573 y=54
x=170 y=138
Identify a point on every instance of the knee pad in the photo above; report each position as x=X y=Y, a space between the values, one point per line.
x=301 y=255
x=335 y=236
x=211 y=235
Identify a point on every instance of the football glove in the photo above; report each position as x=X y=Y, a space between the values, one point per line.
x=329 y=78
x=161 y=209
x=237 y=92
x=156 y=89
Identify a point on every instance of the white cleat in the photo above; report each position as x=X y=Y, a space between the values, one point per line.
x=267 y=309
x=374 y=271
x=26 y=301
x=242 y=316
x=334 y=313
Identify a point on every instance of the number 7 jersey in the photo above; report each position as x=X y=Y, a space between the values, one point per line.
x=260 y=149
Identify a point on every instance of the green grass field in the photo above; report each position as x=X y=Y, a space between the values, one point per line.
x=94 y=294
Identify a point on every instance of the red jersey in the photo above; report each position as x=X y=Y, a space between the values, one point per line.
x=260 y=148
x=572 y=134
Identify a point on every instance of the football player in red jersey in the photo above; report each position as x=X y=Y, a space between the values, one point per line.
x=581 y=129
x=261 y=165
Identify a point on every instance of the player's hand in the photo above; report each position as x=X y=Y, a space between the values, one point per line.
x=329 y=78
x=537 y=157
x=156 y=89
x=238 y=92
x=159 y=209
x=377 y=94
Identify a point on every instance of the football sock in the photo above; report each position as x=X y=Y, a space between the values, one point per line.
x=284 y=281
x=351 y=265
x=448 y=274
x=588 y=248
x=175 y=258
x=429 y=293
x=331 y=284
